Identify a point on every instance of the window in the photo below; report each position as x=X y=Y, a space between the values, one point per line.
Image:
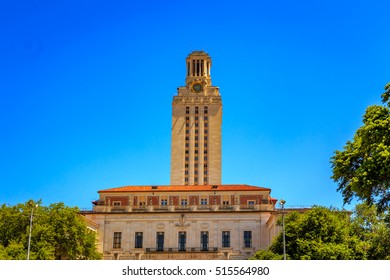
x=203 y=201
x=187 y=124
x=196 y=110
x=196 y=165
x=247 y=239
x=206 y=109
x=196 y=138
x=187 y=110
x=204 y=240
x=187 y=152
x=205 y=138
x=164 y=202
x=206 y=124
x=160 y=241
x=196 y=125
x=186 y=158
x=196 y=152
x=186 y=179
x=205 y=165
x=117 y=203
x=186 y=172
x=187 y=118
x=187 y=131
x=117 y=240
x=184 y=201
x=206 y=118
x=196 y=131
x=251 y=202
x=186 y=165
x=225 y=202
x=205 y=158
x=205 y=131
x=196 y=158
x=138 y=239
x=205 y=172
x=205 y=151
x=196 y=172
x=187 y=145
x=196 y=118
x=182 y=240
x=187 y=138
x=226 y=239
x=205 y=179
x=205 y=145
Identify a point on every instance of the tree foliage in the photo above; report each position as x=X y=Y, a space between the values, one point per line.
x=329 y=234
x=58 y=232
x=362 y=168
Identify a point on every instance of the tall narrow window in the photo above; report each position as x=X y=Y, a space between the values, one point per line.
x=226 y=239
x=138 y=239
x=160 y=241
x=247 y=239
x=117 y=240
x=182 y=240
x=204 y=240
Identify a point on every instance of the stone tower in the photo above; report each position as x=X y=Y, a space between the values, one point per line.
x=196 y=126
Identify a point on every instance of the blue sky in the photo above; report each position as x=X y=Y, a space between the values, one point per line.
x=86 y=90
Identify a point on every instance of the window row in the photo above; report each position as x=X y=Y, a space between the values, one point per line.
x=182 y=240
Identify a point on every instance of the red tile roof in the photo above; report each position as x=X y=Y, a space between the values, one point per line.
x=185 y=188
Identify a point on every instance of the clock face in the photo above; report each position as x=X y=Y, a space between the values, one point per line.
x=197 y=87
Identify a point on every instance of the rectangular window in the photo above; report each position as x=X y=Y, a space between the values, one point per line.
x=187 y=145
x=187 y=131
x=117 y=203
x=196 y=131
x=160 y=241
x=184 y=202
x=196 y=158
x=186 y=158
x=117 y=240
x=196 y=118
x=204 y=240
x=138 y=239
x=187 y=110
x=196 y=124
x=206 y=124
x=205 y=131
x=203 y=201
x=196 y=152
x=187 y=152
x=187 y=124
x=251 y=202
x=187 y=118
x=186 y=179
x=186 y=165
x=206 y=118
x=196 y=110
x=205 y=151
x=206 y=110
x=182 y=240
x=205 y=158
x=164 y=202
x=247 y=239
x=205 y=138
x=226 y=239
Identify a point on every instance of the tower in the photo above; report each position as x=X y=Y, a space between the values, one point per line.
x=196 y=126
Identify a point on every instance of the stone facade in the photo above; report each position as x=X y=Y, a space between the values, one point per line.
x=198 y=222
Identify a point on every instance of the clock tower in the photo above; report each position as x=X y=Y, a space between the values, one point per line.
x=196 y=126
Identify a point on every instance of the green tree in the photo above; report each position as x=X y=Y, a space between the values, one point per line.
x=373 y=230
x=362 y=168
x=58 y=232
x=318 y=234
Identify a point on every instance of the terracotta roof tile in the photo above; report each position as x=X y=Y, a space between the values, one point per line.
x=185 y=188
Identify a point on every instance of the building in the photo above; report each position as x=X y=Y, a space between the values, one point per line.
x=196 y=217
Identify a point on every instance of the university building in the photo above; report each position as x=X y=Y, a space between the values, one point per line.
x=196 y=217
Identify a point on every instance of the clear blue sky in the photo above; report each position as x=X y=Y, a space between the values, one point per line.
x=86 y=90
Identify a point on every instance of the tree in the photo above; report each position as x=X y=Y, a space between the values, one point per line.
x=362 y=168
x=318 y=234
x=373 y=229
x=330 y=234
x=58 y=232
